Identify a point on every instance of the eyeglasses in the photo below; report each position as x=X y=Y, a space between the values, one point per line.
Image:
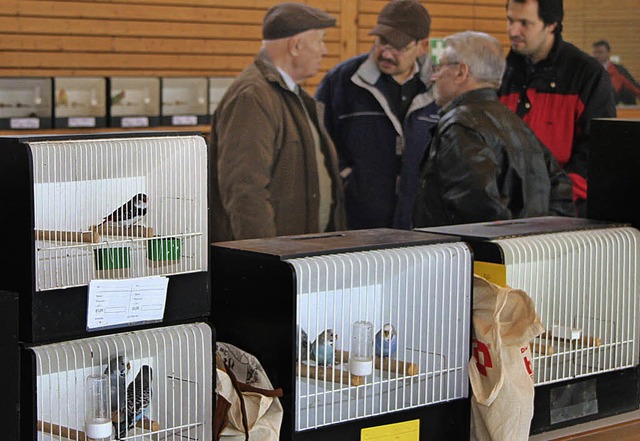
x=382 y=45
x=437 y=67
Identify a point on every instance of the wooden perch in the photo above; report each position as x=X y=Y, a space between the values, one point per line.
x=392 y=365
x=132 y=231
x=62 y=431
x=147 y=424
x=591 y=341
x=586 y=340
x=329 y=374
x=68 y=236
x=404 y=368
x=541 y=348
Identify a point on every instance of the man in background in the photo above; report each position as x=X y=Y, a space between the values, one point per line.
x=483 y=163
x=378 y=112
x=625 y=87
x=555 y=87
x=274 y=168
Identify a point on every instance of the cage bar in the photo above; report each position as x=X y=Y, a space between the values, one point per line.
x=176 y=362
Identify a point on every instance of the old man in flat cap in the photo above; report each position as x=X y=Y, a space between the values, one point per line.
x=274 y=168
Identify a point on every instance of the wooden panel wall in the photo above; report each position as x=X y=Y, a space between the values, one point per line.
x=220 y=37
x=186 y=37
x=618 y=22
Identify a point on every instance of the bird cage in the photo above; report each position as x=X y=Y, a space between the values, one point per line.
x=108 y=207
x=80 y=101
x=360 y=329
x=217 y=88
x=134 y=101
x=584 y=279
x=156 y=384
x=185 y=101
x=25 y=103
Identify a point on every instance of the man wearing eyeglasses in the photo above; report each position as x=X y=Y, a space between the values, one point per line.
x=379 y=110
x=483 y=163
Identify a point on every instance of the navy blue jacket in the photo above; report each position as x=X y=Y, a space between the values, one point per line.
x=379 y=155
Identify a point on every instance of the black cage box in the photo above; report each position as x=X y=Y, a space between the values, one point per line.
x=60 y=235
x=584 y=278
x=614 y=171
x=361 y=329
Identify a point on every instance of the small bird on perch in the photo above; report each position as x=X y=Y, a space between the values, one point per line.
x=117 y=372
x=130 y=213
x=138 y=400
x=386 y=340
x=63 y=98
x=322 y=349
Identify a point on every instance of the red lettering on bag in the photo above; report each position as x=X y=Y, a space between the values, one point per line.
x=527 y=362
x=485 y=362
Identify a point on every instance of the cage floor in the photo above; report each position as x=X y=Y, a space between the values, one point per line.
x=623 y=427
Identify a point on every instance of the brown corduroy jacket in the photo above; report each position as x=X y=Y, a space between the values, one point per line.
x=263 y=167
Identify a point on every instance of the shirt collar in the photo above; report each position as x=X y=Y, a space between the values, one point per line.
x=288 y=80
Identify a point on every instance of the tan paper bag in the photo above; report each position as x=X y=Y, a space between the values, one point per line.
x=500 y=370
x=257 y=402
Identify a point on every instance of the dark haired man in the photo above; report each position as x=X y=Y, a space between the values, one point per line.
x=625 y=87
x=555 y=87
x=379 y=111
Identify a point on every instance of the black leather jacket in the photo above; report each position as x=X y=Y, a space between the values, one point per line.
x=485 y=164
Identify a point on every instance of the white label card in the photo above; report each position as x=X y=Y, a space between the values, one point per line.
x=184 y=120
x=135 y=121
x=24 y=123
x=82 y=122
x=120 y=302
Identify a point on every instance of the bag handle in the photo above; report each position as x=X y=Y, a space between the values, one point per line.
x=243 y=409
x=240 y=387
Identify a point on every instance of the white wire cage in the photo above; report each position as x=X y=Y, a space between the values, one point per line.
x=586 y=289
x=118 y=208
x=422 y=293
x=160 y=383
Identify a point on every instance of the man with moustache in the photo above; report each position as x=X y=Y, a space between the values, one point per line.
x=379 y=111
x=483 y=163
x=555 y=87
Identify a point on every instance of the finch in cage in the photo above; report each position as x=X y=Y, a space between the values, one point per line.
x=322 y=349
x=130 y=213
x=386 y=341
x=138 y=400
x=117 y=372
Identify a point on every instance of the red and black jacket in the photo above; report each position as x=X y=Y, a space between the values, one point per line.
x=557 y=98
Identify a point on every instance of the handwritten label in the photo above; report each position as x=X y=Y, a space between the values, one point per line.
x=119 y=302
